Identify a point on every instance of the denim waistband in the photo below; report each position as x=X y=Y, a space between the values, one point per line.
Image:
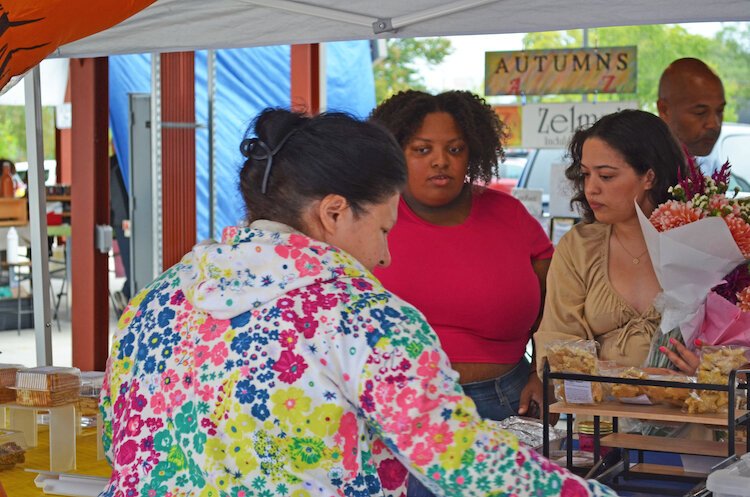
x=519 y=372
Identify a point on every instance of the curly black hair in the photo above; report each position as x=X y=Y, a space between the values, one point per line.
x=643 y=140
x=483 y=131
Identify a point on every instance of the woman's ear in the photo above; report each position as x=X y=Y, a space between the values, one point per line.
x=650 y=179
x=331 y=210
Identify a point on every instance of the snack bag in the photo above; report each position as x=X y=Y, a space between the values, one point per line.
x=575 y=356
x=669 y=395
x=630 y=394
x=715 y=366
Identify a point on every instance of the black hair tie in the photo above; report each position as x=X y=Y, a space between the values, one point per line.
x=249 y=148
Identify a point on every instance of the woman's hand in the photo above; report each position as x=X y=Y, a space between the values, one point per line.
x=531 y=393
x=685 y=360
x=532 y=399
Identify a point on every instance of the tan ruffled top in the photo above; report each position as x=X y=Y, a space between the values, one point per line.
x=581 y=302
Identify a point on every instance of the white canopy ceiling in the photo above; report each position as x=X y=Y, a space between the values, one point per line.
x=175 y=25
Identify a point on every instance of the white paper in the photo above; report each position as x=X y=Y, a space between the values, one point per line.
x=641 y=399
x=578 y=392
x=688 y=261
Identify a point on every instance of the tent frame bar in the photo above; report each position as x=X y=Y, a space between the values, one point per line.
x=379 y=25
x=37 y=195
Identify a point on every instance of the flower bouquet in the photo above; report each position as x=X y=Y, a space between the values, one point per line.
x=694 y=241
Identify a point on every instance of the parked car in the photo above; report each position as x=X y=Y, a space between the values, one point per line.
x=50 y=171
x=733 y=145
x=510 y=170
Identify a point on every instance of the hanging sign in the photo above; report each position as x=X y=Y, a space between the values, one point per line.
x=553 y=125
x=510 y=116
x=558 y=71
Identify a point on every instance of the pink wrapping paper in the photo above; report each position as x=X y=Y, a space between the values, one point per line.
x=724 y=323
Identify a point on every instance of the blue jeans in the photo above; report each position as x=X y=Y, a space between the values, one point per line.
x=495 y=399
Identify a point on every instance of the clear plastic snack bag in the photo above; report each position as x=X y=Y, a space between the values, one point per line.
x=716 y=364
x=575 y=356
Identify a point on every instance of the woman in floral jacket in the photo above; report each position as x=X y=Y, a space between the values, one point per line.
x=275 y=364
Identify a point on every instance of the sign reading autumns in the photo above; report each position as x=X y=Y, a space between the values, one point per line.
x=558 y=71
x=552 y=125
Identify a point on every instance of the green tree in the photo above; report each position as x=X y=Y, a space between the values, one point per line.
x=13 y=132
x=398 y=70
x=728 y=53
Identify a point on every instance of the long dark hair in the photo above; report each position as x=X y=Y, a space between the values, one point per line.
x=483 y=131
x=643 y=140
x=311 y=157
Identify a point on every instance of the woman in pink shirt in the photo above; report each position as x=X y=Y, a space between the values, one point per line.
x=473 y=260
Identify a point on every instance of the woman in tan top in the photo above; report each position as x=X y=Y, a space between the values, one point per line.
x=601 y=284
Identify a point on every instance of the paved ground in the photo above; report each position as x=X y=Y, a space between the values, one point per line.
x=20 y=348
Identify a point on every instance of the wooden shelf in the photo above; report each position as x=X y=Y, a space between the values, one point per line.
x=664 y=470
x=654 y=413
x=662 y=444
x=58 y=198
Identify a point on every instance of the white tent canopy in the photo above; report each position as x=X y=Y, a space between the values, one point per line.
x=54 y=81
x=176 y=25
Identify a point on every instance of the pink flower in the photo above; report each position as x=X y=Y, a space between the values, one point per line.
x=127 y=452
x=288 y=339
x=169 y=379
x=672 y=214
x=219 y=354
x=206 y=393
x=213 y=328
x=440 y=436
x=428 y=364
x=421 y=454
x=177 y=398
x=290 y=366
x=743 y=299
x=421 y=425
x=740 y=232
x=158 y=403
x=307 y=266
x=407 y=398
x=307 y=325
x=202 y=354
x=298 y=241
x=392 y=474
x=134 y=425
x=572 y=488
x=384 y=392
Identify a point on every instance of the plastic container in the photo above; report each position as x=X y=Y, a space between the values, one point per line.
x=8 y=382
x=11 y=250
x=12 y=448
x=732 y=481
x=586 y=436
x=91 y=386
x=47 y=386
x=91 y=383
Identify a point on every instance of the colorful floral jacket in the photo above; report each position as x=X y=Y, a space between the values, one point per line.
x=275 y=365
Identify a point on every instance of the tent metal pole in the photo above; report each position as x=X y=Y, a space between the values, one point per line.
x=314 y=10
x=211 y=78
x=439 y=11
x=379 y=25
x=156 y=197
x=38 y=219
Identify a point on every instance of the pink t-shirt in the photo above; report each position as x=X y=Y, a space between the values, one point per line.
x=474 y=282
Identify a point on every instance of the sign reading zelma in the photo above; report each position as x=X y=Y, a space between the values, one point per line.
x=553 y=125
x=558 y=71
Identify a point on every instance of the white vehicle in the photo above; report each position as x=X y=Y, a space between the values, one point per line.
x=50 y=171
x=733 y=145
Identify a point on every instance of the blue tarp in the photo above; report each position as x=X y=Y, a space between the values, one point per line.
x=247 y=81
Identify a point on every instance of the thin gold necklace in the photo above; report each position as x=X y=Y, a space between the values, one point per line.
x=634 y=259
